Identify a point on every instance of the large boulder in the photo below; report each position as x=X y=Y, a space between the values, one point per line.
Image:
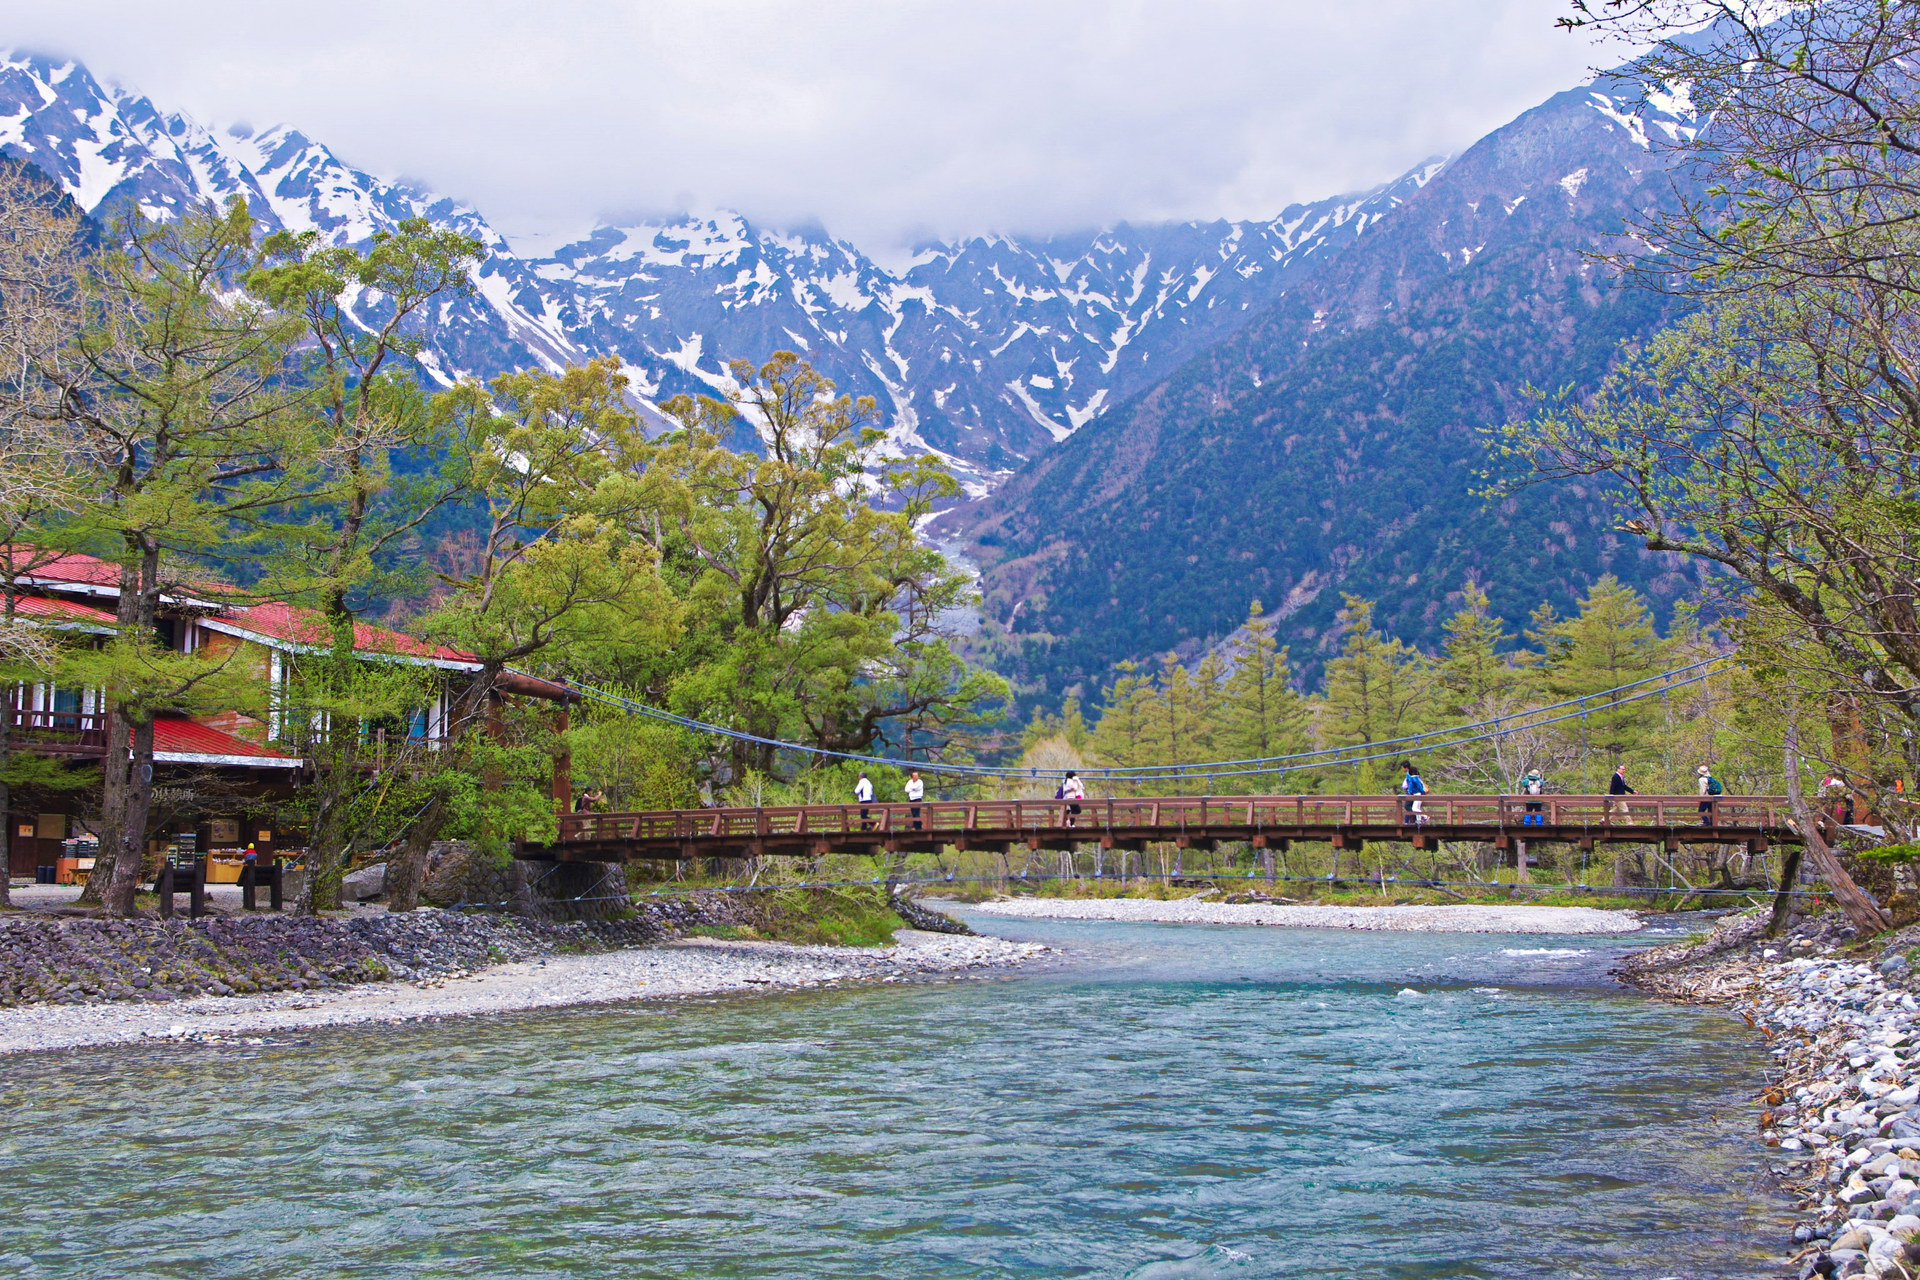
x=365 y=884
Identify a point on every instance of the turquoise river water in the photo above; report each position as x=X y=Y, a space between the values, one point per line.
x=1165 y=1101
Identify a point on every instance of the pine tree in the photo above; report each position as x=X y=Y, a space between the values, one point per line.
x=1260 y=714
x=1121 y=736
x=1377 y=690
x=1609 y=643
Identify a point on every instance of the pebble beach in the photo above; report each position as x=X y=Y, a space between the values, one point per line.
x=693 y=967
x=1840 y=1110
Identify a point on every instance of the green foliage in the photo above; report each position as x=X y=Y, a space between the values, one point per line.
x=1241 y=704
x=816 y=614
x=635 y=763
x=1896 y=854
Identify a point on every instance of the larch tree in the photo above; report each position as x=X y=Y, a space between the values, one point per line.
x=1611 y=642
x=42 y=242
x=1378 y=689
x=1261 y=715
x=366 y=497
x=181 y=396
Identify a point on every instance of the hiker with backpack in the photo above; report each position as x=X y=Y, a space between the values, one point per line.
x=1532 y=786
x=1709 y=788
x=1411 y=786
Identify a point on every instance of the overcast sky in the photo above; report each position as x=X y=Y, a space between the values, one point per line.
x=886 y=120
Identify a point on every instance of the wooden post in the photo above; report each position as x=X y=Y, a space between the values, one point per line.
x=163 y=885
x=1520 y=873
x=247 y=900
x=274 y=898
x=197 y=896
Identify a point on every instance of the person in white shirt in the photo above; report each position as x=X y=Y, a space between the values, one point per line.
x=863 y=795
x=1073 y=791
x=916 y=792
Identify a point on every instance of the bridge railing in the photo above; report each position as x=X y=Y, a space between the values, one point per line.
x=1169 y=816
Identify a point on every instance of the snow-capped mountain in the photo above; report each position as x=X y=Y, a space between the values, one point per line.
x=985 y=350
x=112 y=149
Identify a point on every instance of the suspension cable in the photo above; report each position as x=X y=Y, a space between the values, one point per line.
x=1143 y=773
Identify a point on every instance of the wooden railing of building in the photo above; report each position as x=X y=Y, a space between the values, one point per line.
x=996 y=825
x=68 y=733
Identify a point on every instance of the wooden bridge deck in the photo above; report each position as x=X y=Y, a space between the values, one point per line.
x=1189 y=821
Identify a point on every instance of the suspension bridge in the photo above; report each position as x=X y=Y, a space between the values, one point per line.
x=1346 y=822
x=1192 y=822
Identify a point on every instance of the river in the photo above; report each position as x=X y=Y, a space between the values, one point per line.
x=1164 y=1101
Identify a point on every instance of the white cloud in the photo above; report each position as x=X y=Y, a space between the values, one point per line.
x=886 y=120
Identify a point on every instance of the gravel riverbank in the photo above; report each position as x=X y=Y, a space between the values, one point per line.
x=1445 y=919
x=1841 y=1107
x=68 y=981
x=689 y=967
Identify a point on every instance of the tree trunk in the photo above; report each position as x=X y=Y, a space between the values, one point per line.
x=124 y=876
x=407 y=873
x=115 y=763
x=1860 y=907
x=6 y=800
x=327 y=850
x=1783 y=900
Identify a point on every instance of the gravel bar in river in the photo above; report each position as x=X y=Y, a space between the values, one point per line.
x=1446 y=919
x=686 y=968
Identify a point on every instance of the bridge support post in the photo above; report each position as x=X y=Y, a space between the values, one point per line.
x=1520 y=873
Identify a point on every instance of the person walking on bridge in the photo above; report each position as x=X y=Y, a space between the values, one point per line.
x=1412 y=787
x=1532 y=787
x=1073 y=791
x=916 y=792
x=1616 y=788
x=863 y=796
x=1710 y=788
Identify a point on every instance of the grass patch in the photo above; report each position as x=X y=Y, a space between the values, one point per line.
x=725 y=932
x=855 y=916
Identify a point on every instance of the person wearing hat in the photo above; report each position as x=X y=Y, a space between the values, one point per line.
x=1709 y=788
x=1532 y=785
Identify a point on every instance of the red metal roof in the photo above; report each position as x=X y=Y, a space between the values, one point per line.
x=177 y=736
x=296 y=625
x=64 y=610
x=74 y=567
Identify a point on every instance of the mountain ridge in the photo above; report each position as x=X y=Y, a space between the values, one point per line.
x=1329 y=445
x=987 y=350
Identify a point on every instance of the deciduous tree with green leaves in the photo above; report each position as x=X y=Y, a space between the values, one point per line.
x=817 y=611
x=181 y=396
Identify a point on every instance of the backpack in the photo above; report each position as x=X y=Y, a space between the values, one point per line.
x=1713 y=786
x=1533 y=786
x=1060 y=792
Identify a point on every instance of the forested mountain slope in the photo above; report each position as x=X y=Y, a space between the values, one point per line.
x=1332 y=445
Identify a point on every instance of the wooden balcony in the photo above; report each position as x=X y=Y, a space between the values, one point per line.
x=59 y=733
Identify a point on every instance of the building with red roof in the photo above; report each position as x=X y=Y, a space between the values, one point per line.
x=245 y=765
